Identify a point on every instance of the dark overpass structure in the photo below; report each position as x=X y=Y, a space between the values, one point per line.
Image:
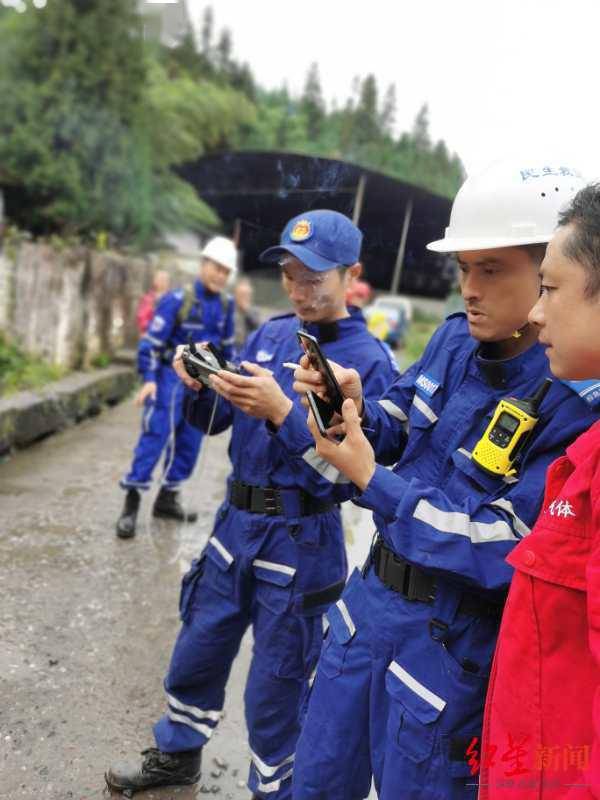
x=255 y=193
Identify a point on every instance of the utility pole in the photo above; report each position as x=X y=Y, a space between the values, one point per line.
x=401 y=247
x=358 y=198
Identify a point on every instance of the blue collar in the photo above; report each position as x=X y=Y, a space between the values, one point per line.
x=340 y=329
x=201 y=292
x=498 y=373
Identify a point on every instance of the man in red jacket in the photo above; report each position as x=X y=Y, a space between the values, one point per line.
x=541 y=733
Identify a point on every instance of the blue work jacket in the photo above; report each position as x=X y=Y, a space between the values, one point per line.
x=210 y=318
x=257 y=456
x=436 y=507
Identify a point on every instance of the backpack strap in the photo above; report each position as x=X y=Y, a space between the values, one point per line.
x=189 y=298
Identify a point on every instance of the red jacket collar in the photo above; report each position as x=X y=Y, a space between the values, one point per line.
x=584 y=445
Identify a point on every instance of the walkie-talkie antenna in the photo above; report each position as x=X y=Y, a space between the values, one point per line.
x=537 y=398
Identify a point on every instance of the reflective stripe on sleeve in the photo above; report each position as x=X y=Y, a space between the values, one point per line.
x=520 y=527
x=324 y=468
x=422 y=406
x=158 y=342
x=462 y=524
x=393 y=410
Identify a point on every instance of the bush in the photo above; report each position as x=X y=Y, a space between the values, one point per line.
x=19 y=372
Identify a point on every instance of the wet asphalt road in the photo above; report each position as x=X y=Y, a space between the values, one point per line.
x=87 y=621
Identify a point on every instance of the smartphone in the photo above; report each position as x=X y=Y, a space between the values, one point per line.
x=322 y=411
x=201 y=363
x=318 y=361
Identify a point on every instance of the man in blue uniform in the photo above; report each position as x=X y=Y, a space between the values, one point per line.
x=184 y=315
x=276 y=558
x=401 y=681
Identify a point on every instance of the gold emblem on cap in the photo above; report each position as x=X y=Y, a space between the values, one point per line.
x=301 y=230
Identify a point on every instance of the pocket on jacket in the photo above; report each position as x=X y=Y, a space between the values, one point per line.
x=414 y=711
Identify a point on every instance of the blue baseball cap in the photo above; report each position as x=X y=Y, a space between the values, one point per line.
x=321 y=240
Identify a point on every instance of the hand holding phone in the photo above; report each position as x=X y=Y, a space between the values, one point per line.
x=311 y=347
x=201 y=363
x=323 y=413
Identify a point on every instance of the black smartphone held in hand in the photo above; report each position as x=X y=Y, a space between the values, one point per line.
x=323 y=413
x=318 y=361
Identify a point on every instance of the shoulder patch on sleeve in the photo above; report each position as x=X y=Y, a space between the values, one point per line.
x=589 y=390
x=427 y=384
x=158 y=323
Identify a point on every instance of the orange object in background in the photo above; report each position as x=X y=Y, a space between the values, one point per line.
x=358 y=293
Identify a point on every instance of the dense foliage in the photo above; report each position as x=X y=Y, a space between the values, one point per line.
x=92 y=123
x=94 y=118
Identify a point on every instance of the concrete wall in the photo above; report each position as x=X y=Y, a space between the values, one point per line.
x=71 y=305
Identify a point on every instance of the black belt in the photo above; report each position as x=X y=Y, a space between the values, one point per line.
x=267 y=500
x=323 y=597
x=415 y=584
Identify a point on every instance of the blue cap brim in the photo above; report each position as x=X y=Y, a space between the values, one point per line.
x=307 y=257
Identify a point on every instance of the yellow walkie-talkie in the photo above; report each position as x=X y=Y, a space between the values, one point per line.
x=508 y=431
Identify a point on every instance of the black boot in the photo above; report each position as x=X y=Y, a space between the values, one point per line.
x=127 y=520
x=156 y=769
x=167 y=505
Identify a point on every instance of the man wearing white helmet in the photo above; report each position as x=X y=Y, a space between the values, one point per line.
x=204 y=313
x=400 y=685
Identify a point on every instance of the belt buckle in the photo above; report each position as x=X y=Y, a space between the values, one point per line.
x=411 y=582
x=409 y=589
x=241 y=495
x=272 y=501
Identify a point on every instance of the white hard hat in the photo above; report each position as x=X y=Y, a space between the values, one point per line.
x=221 y=250
x=509 y=204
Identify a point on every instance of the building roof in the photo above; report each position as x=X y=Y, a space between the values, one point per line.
x=262 y=190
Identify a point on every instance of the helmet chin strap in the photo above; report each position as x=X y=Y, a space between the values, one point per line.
x=520 y=331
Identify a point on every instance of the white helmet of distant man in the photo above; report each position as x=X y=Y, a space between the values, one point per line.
x=510 y=203
x=223 y=251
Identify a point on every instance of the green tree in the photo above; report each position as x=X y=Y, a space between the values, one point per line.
x=420 y=130
x=366 y=130
x=312 y=103
x=387 y=118
x=223 y=51
x=92 y=125
x=207 y=31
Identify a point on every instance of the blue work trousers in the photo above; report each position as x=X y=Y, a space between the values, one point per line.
x=397 y=697
x=164 y=429
x=255 y=571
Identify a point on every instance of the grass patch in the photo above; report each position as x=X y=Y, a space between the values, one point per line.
x=19 y=371
x=419 y=333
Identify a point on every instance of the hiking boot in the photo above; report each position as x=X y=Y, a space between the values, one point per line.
x=127 y=520
x=156 y=769
x=167 y=505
